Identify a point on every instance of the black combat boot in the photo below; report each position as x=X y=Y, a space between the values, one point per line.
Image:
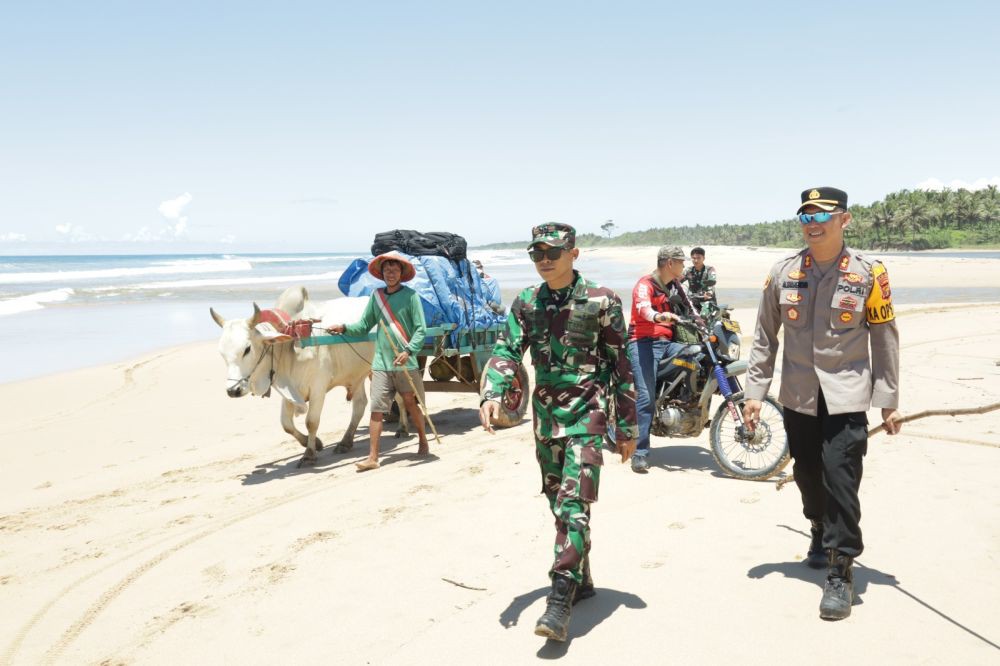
x=816 y=558
x=838 y=593
x=554 y=623
x=585 y=590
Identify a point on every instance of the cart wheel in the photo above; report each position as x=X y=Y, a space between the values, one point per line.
x=441 y=369
x=514 y=404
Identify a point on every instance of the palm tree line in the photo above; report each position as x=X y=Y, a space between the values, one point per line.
x=904 y=220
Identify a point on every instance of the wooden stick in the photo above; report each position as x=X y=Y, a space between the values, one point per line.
x=468 y=587
x=938 y=412
x=416 y=394
x=912 y=417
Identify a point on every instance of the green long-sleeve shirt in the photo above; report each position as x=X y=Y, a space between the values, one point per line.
x=405 y=305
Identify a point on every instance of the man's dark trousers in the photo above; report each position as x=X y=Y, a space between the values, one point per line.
x=828 y=451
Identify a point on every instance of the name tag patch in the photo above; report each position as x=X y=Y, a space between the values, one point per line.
x=852 y=289
x=799 y=284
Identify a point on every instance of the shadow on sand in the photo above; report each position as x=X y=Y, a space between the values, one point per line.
x=863 y=577
x=392 y=449
x=586 y=615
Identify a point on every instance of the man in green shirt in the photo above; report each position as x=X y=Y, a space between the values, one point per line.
x=400 y=318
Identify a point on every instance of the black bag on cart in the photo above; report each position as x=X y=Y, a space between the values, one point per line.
x=414 y=243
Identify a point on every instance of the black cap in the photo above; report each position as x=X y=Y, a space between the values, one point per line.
x=826 y=198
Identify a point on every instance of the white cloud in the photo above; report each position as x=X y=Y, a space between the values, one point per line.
x=12 y=237
x=141 y=236
x=74 y=232
x=935 y=185
x=171 y=208
x=228 y=239
x=176 y=222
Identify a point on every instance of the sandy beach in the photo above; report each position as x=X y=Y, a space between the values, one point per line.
x=147 y=518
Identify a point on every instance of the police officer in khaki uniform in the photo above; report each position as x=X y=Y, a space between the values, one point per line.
x=841 y=355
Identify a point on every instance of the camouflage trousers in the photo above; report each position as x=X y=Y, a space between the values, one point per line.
x=571 y=474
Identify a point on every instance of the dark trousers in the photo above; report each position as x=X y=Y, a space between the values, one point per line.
x=828 y=452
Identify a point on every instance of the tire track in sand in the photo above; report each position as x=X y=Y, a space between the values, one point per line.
x=321 y=484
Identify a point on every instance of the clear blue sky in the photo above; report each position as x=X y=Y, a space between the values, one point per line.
x=311 y=126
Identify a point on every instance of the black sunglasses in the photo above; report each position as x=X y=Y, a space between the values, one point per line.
x=552 y=254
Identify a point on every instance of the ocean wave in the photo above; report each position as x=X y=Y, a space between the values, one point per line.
x=35 y=301
x=331 y=277
x=288 y=260
x=501 y=258
x=177 y=267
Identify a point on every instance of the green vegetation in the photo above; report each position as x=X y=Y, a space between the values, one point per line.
x=904 y=220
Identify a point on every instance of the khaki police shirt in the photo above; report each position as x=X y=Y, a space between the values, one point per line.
x=830 y=321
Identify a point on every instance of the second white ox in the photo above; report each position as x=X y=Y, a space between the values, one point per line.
x=302 y=376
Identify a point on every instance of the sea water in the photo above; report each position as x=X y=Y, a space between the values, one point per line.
x=58 y=313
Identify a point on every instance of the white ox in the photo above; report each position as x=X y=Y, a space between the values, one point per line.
x=302 y=376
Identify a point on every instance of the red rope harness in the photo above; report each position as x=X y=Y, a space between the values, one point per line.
x=296 y=329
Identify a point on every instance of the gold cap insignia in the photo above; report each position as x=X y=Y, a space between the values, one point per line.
x=814 y=194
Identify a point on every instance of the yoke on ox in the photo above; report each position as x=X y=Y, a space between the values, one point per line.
x=301 y=375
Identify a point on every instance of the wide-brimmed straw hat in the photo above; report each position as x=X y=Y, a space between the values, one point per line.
x=375 y=266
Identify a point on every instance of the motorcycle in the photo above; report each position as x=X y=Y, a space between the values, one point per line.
x=686 y=384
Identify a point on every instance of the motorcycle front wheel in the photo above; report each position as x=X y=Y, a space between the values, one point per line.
x=755 y=456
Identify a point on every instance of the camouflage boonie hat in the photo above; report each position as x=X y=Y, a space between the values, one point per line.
x=670 y=252
x=554 y=234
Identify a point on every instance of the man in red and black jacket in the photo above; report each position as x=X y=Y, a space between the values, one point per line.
x=650 y=336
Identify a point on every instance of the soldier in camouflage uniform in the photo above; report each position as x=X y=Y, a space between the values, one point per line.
x=701 y=281
x=576 y=333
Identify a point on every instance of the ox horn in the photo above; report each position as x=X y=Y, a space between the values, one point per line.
x=217 y=317
x=255 y=319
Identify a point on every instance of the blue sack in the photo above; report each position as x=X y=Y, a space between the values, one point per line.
x=451 y=292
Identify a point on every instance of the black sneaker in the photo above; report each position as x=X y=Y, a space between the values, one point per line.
x=816 y=558
x=838 y=593
x=640 y=465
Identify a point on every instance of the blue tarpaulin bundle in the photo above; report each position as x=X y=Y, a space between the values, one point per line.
x=451 y=292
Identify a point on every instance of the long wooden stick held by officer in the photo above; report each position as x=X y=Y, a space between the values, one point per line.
x=416 y=394
x=913 y=417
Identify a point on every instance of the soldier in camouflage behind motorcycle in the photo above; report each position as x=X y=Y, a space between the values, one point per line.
x=576 y=333
x=701 y=281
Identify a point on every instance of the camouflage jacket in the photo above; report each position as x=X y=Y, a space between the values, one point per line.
x=700 y=283
x=578 y=352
